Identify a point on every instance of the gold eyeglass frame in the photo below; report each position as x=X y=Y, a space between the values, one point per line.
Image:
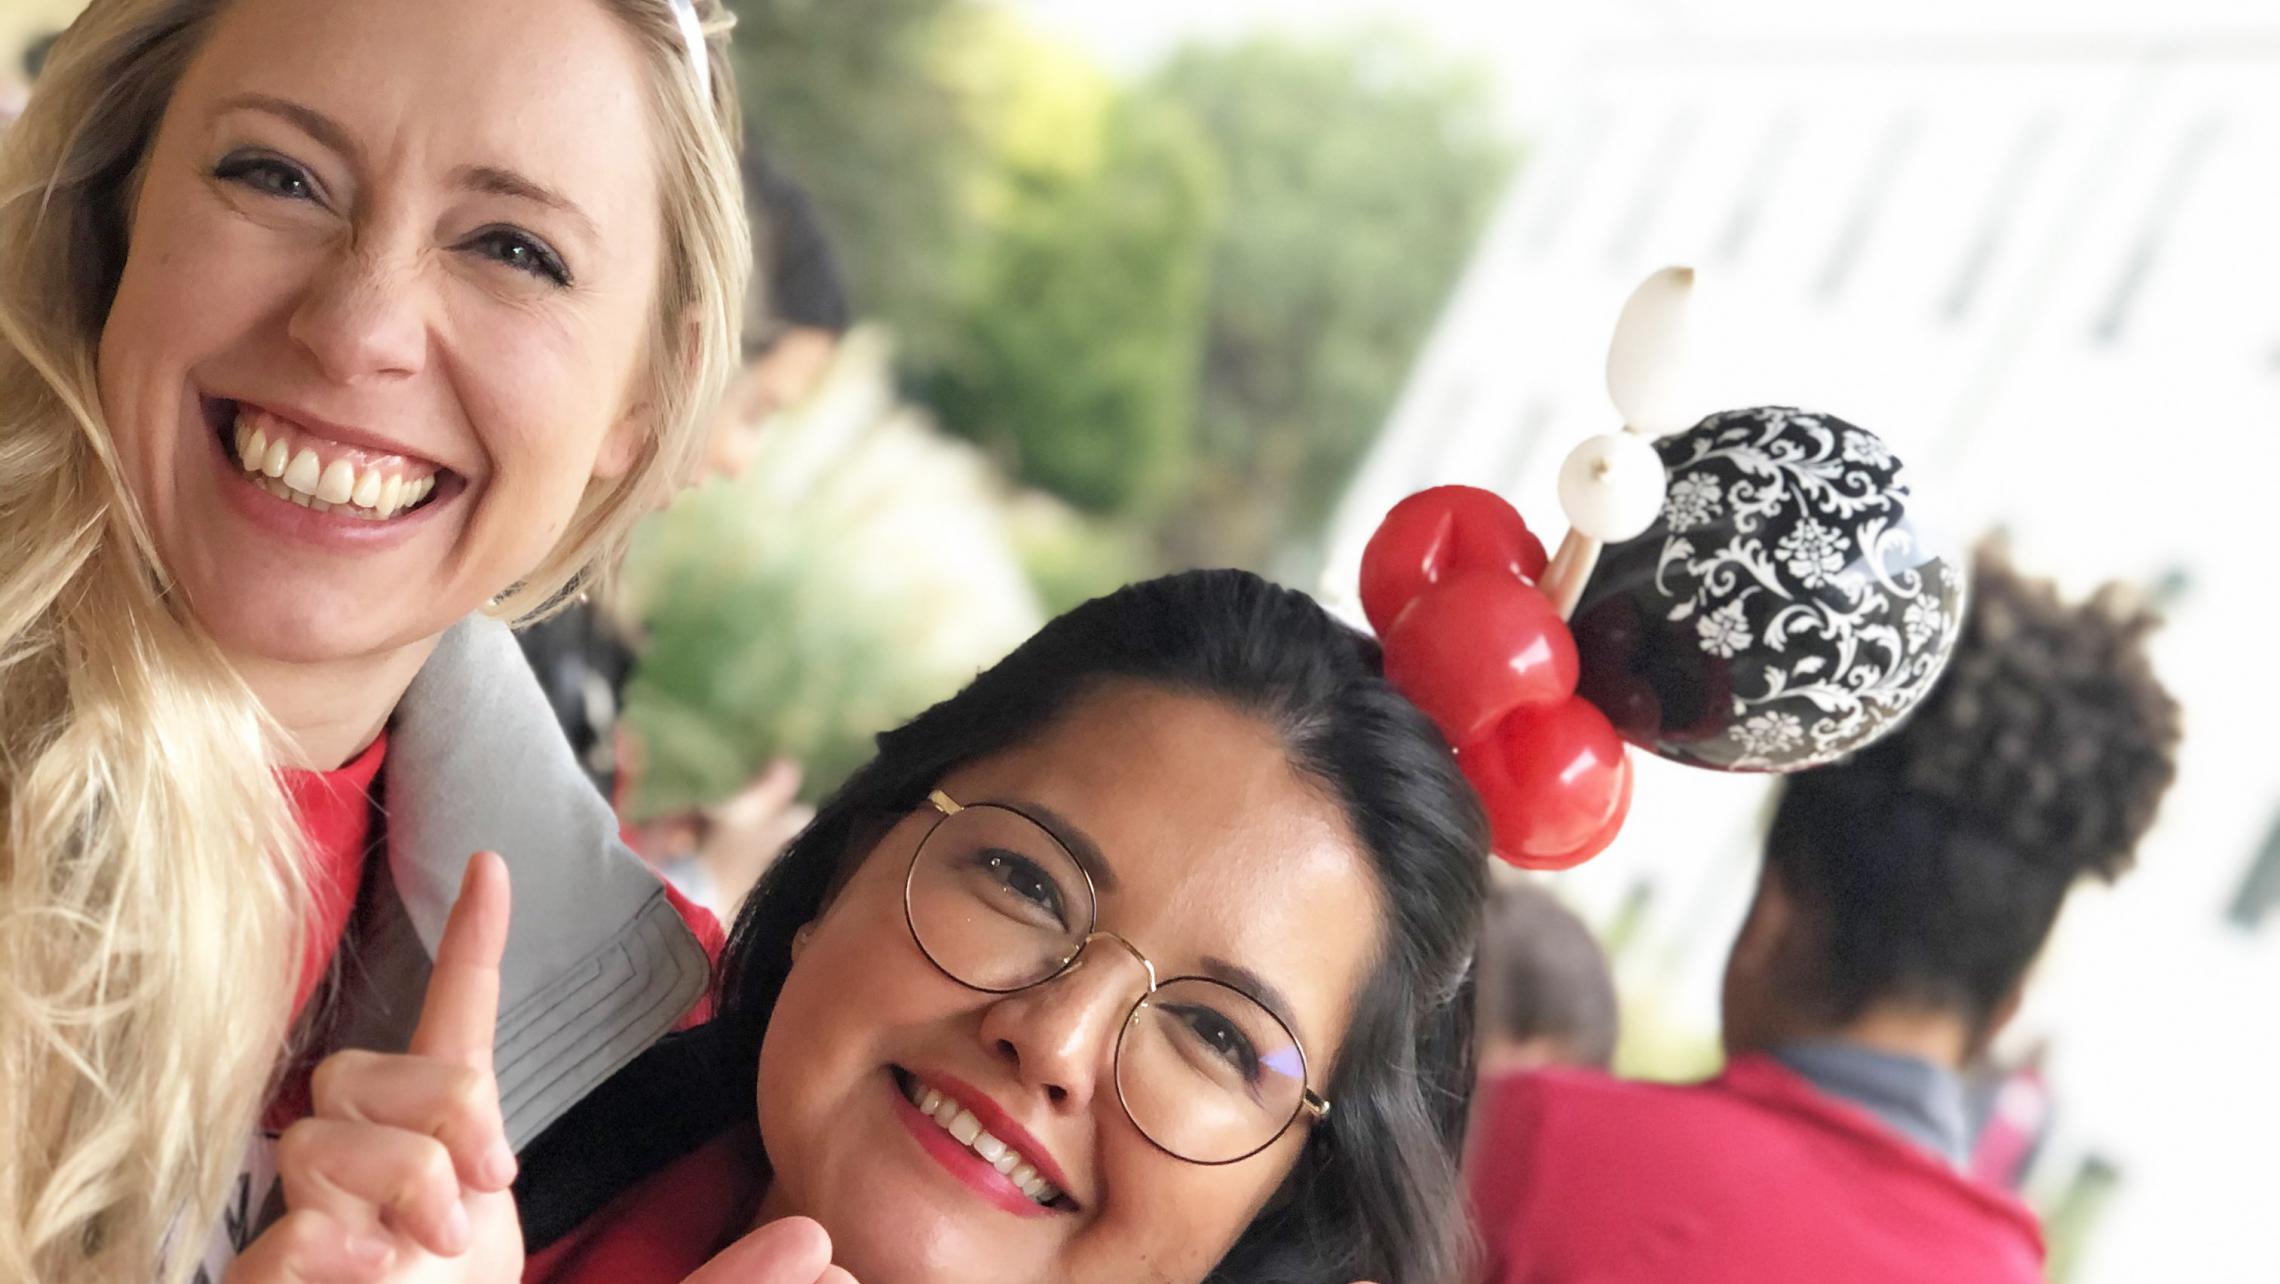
x=1311 y=1104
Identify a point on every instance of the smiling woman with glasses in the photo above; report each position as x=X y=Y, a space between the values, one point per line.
x=1205 y=1067
x=1148 y=956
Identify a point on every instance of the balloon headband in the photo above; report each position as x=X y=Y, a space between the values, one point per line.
x=1751 y=593
x=693 y=36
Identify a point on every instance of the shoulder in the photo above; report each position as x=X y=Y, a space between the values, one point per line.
x=667 y=1226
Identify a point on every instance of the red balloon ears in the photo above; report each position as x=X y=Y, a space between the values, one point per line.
x=1448 y=581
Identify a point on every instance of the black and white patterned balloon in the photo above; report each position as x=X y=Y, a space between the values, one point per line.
x=1789 y=606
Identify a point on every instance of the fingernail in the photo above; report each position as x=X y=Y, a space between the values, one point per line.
x=499 y=1166
x=456 y=1231
x=368 y=1249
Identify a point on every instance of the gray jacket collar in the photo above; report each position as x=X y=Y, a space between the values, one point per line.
x=599 y=965
x=1914 y=1098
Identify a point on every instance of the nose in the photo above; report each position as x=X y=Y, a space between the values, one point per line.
x=364 y=319
x=1060 y=1037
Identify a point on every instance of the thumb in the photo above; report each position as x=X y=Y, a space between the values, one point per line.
x=459 y=1021
x=793 y=1250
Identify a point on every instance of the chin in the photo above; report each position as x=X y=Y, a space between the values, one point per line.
x=306 y=624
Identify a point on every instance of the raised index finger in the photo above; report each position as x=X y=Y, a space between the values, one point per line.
x=458 y=1023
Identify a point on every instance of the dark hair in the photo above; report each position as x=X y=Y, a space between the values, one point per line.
x=1375 y=1194
x=1543 y=976
x=1934 y=862
x=796 y=282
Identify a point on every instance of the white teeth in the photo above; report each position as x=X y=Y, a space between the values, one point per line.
x=302 y=474
x=961 y=1124
x=965 y=1127
x=321 y=487
x=337 y=483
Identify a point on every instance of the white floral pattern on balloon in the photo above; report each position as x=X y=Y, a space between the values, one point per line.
x=1788 y=554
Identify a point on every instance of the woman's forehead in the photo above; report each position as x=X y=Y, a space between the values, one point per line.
x=553 y=89
x=1218 y=845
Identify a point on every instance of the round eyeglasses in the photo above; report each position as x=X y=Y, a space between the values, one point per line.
x=1206 y=1072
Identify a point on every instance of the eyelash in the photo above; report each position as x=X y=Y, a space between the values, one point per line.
x=544 y=263
x=242 y=169
x=290 y=182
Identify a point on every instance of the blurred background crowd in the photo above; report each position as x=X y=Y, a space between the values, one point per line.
x=1065 y=293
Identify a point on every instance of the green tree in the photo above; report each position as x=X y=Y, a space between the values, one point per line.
x=1082 y=299
x=849 y=98
x=1358 y=176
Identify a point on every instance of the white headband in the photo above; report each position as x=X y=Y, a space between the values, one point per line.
x=693 y=35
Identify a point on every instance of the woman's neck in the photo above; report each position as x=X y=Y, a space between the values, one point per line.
x=331 y=710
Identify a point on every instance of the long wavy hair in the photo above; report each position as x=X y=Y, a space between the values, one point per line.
x=151 y=897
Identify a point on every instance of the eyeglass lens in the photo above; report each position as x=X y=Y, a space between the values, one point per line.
x=1202 y=1068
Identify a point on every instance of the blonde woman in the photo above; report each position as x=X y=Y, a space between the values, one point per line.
x=332 y=332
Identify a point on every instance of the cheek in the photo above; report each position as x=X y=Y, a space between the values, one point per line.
x=858 y=981
x=541 y=401
x=194 y=289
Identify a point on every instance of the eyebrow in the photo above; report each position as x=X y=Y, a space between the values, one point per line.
x=1236 y=976
x=495 y=181
x=308 y=120
x=1079 y=843
x=1088 y=854
x=490 y=179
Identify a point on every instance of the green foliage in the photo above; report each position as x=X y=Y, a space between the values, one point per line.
x=1358 y=176
x=1191 y=301
x=752 y=651
x=1083 y=302
x=848 y=99
x=1071 y=558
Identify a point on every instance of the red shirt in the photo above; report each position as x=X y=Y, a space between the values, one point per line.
x=335 y=811
x=1755 y=1177
x=662 y=1230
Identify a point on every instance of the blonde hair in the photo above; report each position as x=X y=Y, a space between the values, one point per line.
x=151 y=899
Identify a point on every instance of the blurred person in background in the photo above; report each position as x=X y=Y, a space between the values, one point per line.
x=1547 y=997
x=796 y=314
x=1904 y=895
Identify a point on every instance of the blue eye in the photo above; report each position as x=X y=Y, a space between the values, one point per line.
x=269 y=175
x=522 y=252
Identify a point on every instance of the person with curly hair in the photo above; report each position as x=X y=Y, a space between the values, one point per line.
x=1904 y=895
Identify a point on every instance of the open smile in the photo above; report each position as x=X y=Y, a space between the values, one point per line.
x=1010 y=1173
x=307 y=466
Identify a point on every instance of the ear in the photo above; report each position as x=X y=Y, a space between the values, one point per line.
x=800 y=939
x=621 y=445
